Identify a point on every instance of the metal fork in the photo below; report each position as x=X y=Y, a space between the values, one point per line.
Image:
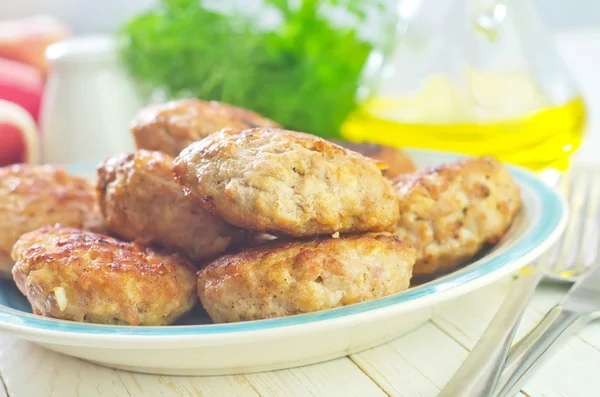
x=479 y=373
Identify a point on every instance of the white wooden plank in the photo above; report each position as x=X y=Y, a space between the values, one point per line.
x=591 y=335
x=393 y=373
x=465 y=318
x=333 y=378
x=417 y=364
x=210 y=386
x=3 y=392
x=63 y=376
x=29 y=370
x=571 y=372
x=428 y=345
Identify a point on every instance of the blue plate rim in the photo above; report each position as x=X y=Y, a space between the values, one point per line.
x=552 y=216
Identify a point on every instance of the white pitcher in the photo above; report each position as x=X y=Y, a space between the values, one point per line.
x=88 y=103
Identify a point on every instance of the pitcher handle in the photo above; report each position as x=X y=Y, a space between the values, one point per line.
x=16 y=115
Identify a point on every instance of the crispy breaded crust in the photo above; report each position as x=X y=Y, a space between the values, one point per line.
x=141 y=201
x=449 y=212
x=286 y=182
x=285 y=278
x=32 y=196
x=172 y=126
x=82 y=276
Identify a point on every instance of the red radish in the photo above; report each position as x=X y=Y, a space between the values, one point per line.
x=21 y=84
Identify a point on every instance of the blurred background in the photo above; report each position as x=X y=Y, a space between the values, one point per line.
x=91 y=16
x=515 y=79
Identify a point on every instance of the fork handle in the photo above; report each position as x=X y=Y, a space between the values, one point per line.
x=479 y=372
x=557 y=325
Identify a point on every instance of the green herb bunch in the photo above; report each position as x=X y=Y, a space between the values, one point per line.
x=304 y=72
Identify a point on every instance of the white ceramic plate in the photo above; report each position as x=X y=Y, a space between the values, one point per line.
x=197 y=347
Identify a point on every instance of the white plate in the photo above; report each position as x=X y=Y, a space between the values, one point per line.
x=217 y=349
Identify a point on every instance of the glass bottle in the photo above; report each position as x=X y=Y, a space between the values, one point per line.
x=480 y=77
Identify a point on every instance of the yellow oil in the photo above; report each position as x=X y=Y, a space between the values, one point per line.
x=540 y=139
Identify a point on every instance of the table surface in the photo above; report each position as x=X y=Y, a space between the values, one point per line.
x=416 y=364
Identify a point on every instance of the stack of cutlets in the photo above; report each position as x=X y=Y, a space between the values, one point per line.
x=277 y=222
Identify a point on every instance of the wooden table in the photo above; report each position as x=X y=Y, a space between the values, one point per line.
x=417 y=364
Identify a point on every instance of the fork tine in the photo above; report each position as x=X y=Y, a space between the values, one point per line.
x=577 y=199
x=551 y=256
x=579 y=246
x=589 y=244
x=595 y=214
x=573 y=196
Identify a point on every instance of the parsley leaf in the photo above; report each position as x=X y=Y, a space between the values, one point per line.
x=304 y=72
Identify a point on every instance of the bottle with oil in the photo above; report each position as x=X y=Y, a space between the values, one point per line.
x=479 y=77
